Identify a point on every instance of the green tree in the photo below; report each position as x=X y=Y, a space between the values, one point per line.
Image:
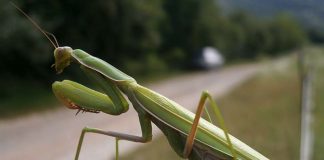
x=286 y=33
x=189 y=25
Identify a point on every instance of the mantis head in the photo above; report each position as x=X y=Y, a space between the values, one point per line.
x=62 y=57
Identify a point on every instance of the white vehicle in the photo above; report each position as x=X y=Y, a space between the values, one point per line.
x=208 y=58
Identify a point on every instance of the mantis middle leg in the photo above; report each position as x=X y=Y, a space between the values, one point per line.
x=191 y=136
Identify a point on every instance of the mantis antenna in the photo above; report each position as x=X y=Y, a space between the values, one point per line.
x=51 y=34
x=37 y=26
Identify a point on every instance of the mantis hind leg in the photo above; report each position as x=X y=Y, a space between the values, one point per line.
x=191 y=136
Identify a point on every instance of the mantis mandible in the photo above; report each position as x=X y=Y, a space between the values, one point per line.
x=188 y=134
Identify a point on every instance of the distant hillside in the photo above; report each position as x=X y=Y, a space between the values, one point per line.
x=308 y=12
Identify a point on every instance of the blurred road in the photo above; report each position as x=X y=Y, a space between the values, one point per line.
x=53 y=135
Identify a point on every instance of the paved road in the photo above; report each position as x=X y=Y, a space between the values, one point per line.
x=53 y=135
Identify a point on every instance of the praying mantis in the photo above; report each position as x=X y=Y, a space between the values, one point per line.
x=189 y=135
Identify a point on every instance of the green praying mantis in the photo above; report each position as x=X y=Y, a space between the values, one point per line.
x=188 y=134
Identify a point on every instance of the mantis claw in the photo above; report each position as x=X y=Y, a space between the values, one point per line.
x=77 y=112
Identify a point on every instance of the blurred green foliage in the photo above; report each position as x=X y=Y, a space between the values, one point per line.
x=139 y=37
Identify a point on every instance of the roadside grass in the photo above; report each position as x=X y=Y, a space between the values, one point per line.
x=263 y=112
x=317 y=60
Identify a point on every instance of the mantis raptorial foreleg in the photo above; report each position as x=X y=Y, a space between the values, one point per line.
x=191 y=136
x=120 y=105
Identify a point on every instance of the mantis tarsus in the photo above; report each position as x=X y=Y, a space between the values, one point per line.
x=189 y=135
